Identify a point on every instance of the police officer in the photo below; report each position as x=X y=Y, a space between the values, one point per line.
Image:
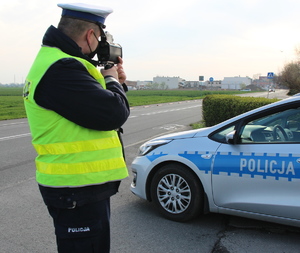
x=73 y=111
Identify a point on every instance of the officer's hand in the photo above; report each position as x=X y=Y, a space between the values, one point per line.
x=121 y=72
x=116 y=71
x=110 y=72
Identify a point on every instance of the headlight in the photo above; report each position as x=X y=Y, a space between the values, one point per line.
x=133 y=184
x=148 y=146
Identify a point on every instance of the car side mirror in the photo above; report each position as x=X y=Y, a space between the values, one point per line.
x=230 y=137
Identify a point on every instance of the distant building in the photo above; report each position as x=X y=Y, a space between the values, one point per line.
x=263 y=82
x=131 y=85
x=142 y=85
x=192 y=84
x=229 y=83
x=235 y=83
x=216 y=84
x=170 y=82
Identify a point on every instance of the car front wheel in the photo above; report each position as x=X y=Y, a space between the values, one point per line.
x=177 y=192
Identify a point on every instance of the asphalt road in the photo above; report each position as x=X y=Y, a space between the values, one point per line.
x=135 y=224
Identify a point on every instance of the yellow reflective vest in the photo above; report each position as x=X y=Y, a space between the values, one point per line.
x=69 y=155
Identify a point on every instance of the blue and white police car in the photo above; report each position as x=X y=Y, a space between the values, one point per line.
x=247 y=166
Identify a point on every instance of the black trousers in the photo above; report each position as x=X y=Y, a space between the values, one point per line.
x=83 y=228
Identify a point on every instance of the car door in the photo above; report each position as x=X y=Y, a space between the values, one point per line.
x=258 y=175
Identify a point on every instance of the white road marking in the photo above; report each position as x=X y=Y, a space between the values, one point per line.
x=165 y=111
x=14 y=136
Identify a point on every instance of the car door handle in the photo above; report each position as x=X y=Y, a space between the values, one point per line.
x=206 y=156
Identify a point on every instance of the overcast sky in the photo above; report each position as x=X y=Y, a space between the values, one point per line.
x=213 y=38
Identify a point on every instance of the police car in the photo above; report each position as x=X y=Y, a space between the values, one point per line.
x=247 y=166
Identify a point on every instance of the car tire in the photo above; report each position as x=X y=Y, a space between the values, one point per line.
x=177 y=193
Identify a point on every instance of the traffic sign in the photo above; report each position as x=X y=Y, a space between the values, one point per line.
x=211 y=79
x=270 y=75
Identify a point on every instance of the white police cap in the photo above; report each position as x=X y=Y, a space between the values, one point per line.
x=92 y=13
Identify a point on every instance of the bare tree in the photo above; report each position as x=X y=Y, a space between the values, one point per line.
x=290 y=77
x=290 y=74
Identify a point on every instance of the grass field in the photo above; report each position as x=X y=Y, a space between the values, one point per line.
x=11 y=103
x=146 y=97
x=12 y=107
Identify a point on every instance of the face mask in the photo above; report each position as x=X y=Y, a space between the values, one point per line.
x=93 y=53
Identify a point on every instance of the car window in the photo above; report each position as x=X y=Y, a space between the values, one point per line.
x=283 y=126
x=293 y=122
x=270 y=120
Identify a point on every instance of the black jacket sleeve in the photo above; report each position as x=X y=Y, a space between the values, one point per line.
x=69 y=90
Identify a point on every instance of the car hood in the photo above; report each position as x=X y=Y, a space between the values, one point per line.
x=203 y=132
